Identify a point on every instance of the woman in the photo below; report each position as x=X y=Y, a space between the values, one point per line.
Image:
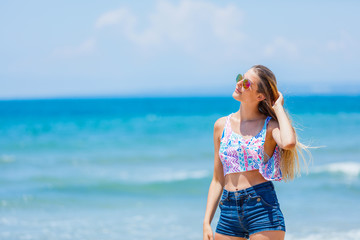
x=243 y=168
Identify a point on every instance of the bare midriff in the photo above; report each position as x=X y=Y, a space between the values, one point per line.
x=242 y=180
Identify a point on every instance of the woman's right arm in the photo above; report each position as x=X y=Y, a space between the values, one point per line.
x=217 y=183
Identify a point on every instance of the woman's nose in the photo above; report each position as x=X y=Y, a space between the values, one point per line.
x=239 y=83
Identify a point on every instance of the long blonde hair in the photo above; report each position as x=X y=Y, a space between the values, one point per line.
x=289 y=164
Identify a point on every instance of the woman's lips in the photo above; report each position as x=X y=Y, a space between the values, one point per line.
x=237 y=90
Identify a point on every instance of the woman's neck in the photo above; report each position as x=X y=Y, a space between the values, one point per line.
x=249 y=113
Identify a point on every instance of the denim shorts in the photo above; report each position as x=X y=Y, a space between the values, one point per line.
x=250 y=210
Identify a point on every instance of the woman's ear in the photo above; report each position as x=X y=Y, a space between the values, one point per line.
x=260 y=97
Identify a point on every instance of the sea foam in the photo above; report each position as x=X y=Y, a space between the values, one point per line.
x=328 y=235
x=164 y=176
x=350 y=169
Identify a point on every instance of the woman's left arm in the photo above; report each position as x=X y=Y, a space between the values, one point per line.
x=283 y=134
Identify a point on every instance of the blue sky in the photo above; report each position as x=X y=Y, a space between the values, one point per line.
x=149 y=48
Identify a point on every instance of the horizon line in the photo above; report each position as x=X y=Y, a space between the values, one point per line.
x=142 y=96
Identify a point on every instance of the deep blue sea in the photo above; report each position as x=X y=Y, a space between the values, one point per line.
x=140 y=168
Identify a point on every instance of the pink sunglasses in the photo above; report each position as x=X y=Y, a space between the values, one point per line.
x=246 y=82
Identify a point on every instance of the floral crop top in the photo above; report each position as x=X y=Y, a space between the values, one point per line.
x=239 y=155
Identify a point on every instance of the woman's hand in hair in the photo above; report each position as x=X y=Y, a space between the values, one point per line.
x=279 y=102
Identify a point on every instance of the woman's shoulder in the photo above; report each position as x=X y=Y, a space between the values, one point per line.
x=220 y=123
x=219 y=127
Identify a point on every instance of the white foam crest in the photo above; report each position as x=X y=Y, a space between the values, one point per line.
x=180 y=176
x=328 y=235
x=164 y=176
x=350 y=169
x=7 y=158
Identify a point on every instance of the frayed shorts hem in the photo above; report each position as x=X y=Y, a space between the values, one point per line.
x=279 y=228
x=232 y=234
x=246 y=235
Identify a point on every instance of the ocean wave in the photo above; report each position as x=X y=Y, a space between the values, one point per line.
x=124 y=182
x=328 y=235
x=124 y=177
x=166 y=176
x=4 y=158
x=349 y=169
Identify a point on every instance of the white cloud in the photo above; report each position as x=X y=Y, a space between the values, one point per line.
x=189 y=25
x=344 y=42
x=280 y=46
x=119 y=16
x=84 y=48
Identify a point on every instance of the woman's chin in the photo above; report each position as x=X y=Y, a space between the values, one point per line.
x=236 y=96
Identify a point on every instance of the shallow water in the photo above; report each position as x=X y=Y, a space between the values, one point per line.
x=141 y=168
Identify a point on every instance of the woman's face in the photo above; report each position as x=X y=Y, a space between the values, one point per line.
x=247 y=95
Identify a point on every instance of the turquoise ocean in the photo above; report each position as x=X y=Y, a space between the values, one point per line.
x=140 y=168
